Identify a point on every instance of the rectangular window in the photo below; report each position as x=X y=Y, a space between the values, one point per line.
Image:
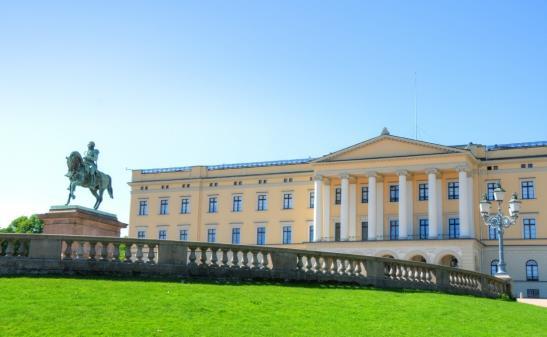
x=364 y=194
x=492 y=233
x=532 y=293
x=287 y=234
x=311 y=234
x=141 y=234
x=394 y=193
x=261 y=235
x=529 y=228
x=287 y=201
x=337 y=196
x=236 y=236
x=185 y=206
x=183 y=235
x=394 y=229
x=213 y=205
x=143 y=207
x=453 y=228
x=211 y=235
x=237 y=202
x=424 y=229
x=528 y=189
x=453 y=190
x=364 y=230
x=490 y=187
x=162 y=234
x=312 y=200
x=164 y=206
x=423 y=192
x=262 y=202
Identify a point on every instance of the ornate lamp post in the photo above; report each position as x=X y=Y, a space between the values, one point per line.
x=500 y=222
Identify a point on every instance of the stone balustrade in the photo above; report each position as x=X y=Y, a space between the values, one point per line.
x=39 y=254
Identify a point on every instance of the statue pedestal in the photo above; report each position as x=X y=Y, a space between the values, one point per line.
x=78 y=220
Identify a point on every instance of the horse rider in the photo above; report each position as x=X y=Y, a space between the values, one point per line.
x=90 y=159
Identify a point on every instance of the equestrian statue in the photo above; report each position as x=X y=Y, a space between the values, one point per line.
x=83 y=172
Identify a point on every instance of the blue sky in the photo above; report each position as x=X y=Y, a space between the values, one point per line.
x=172 y=83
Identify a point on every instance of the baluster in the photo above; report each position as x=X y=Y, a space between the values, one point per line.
x=139 y=252
x=80 y=250
x=265 y=262
x=104 y=251
x=116 y=252
x=224 y=258
x=128 y=253
x=151 y=254
x=255 y=260
x=19 y=248
x=214 y=258
x=299 y=263
x=245 y=260
x=350 y=267
x=309 y=266
x=317 y=266
x=235 y=260
x=68 y=251
x=358 y=271
x=192 y=257
x=92 y=251
x=203 y=256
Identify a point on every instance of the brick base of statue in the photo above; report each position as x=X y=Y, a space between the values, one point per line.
x=78 y=220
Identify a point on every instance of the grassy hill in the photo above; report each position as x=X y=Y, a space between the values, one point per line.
x=88 y=307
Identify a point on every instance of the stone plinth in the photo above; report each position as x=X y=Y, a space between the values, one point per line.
x=78 y=220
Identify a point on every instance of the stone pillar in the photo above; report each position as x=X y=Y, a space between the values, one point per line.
x=432 y=203
x=352 y=233
x=344 y=207
x=440 y=198
x=326 y=210
x=403 y=205
x=318 y=208
x=463 y=202
x=372 y=200
x=470 y=203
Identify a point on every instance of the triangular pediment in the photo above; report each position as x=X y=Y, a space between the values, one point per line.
x=388 y=146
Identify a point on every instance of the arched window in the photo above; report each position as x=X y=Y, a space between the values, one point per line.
x=494 y=267
x=531 y=270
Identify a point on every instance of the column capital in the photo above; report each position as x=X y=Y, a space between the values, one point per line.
x=344 y=175
x=372 y=174
x=318 y=177
x=433 y=170
x=463 y=168
x=402 y=173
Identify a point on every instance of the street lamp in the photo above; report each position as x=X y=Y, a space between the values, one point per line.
x=500 y=222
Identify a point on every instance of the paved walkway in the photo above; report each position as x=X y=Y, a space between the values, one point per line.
x=541 y=302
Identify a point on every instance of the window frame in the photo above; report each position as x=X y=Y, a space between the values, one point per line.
x=184 y=205
x=211 y=235
x=236 y=235
x=213 y=205
x=262 y=202
x=394 y=193
x=423 y=233
x=394 y=229
x=288 y=200
x=532 y=270
x=453 y=190
x=311 y=199
x=454 y=228
x=261 y=235
x=164 y=206
x=423 y=191
x=530 y=190
x=529 y=228
x=237 y=203
x=143 y=208
x=162 y=234
x=183 y=232
x=287 y=234
x=337 y=195
x=364 y=194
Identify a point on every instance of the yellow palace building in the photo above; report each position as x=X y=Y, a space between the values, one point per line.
x=387 y=196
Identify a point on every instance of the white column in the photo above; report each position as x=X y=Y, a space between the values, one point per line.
x=410 y=207
x=463 y=202
x=372 y=200
x=380 y=209
x=318 y=208
x=470 y=204
x=403 y=205
x=432 y=203
x=326 y=210
x=440 y=197
x=344 y=207
x=352 y=212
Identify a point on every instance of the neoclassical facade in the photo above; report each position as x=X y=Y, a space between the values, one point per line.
x=386 y=196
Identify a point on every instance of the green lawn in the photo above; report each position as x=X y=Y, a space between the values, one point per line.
x=88 y=307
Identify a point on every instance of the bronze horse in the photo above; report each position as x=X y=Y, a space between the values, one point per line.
x=79 y=176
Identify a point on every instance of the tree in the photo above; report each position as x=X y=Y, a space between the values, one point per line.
x=25 y=224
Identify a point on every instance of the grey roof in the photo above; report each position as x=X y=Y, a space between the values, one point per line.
x=230 y=166
x=516 y=145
